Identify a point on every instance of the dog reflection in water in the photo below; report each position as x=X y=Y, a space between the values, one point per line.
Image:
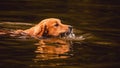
x=52 y=49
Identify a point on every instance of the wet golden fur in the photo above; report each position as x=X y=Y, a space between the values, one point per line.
x=50 y=26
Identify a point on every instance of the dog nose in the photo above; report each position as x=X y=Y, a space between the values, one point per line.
x=70 y=27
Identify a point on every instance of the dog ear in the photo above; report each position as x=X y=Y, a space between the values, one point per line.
x=40 y=29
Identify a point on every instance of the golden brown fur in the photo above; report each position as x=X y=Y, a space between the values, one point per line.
x=49 y=27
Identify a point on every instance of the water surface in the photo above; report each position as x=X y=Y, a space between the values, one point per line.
x=97 y=21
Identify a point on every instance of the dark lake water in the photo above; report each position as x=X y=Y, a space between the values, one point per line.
x=96 y=20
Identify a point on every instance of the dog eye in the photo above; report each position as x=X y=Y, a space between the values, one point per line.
x=56 y=25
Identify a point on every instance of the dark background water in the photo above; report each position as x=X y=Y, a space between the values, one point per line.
x=97 y=17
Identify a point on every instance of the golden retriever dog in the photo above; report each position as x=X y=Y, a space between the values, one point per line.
x=51 y=27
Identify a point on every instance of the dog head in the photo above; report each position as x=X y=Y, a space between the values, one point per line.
x=51 y=27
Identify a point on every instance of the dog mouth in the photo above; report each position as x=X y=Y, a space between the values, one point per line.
x=68 y=34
